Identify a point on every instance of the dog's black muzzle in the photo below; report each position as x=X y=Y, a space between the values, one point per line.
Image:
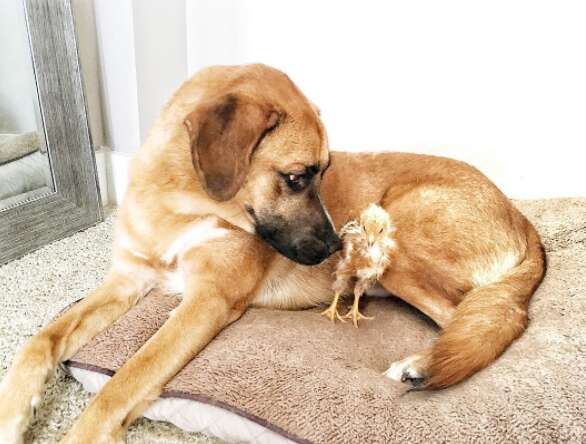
x=300 y=240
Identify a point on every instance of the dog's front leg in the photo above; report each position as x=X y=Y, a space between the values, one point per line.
x=217 y=293
x=189 y=328
x=22 y=387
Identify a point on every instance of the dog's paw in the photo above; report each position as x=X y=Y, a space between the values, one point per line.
x=407 y=371
x=11 y=430
x=14 y=418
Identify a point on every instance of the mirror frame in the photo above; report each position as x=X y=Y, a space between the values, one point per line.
x=75 y=203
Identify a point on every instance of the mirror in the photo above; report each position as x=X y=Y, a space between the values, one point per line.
x=25 y=172
x=48 y=182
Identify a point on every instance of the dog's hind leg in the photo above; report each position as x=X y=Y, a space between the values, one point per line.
x=413 y=369
x=438 y=308
x=489 y=317
x=23 y=385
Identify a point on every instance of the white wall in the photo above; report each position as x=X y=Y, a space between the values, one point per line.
x=85 y=25
x=499 y=84
x=141 y=46
x=115 y=31
x=160 y=51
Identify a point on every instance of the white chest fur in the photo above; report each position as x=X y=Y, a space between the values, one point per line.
x=195 y=235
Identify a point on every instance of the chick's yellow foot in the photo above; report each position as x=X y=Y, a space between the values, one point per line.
x=355 y=315
x=332 y=312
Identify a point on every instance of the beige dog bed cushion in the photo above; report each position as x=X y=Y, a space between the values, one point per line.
x=280 y=376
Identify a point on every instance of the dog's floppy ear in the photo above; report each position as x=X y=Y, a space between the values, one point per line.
x=223 y=134
x=315 y=108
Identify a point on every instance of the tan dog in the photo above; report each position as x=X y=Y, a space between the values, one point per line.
x=224 y=205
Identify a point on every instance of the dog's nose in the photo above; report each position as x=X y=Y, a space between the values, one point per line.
x=335 y=244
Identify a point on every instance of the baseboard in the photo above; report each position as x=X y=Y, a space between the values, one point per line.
x=113 y=169
x=102 y=176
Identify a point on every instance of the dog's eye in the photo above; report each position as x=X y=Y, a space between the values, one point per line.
x=296 y=182
x=380 y=231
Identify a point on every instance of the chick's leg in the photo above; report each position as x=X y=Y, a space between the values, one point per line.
x=340 y=287
x=354 y=313
x=332 y=311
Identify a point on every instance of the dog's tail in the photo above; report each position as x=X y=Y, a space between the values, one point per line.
x=487 y=321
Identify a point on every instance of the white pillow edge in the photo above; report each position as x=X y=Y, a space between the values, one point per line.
x=191 y=415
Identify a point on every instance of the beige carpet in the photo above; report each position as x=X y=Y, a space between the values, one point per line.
x=543 y=387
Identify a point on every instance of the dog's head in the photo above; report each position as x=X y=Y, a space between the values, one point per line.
x=267 y=156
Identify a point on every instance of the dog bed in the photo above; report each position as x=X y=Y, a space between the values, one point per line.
x=280 y=376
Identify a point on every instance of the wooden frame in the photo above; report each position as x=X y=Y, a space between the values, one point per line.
x=75 y=203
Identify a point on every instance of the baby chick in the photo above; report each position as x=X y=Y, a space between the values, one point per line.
x=368 y=244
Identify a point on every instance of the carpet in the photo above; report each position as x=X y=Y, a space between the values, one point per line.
x=323 y=381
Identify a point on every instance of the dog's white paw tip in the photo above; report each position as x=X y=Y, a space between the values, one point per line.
x=395 y=372
x=10 y=431
x=404 y=371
